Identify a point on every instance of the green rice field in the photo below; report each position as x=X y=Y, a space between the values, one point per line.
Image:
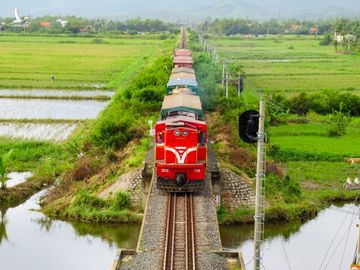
x=313 y=138
x=29 y=62
x=290 y=64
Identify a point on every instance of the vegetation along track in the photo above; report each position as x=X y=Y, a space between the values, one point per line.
x=180 y=244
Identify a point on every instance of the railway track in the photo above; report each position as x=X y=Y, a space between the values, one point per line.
x=180 y=244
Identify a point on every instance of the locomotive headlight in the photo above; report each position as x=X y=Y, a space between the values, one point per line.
x=197 y=170
x=185 y=133
x=165 y=170
x=177 y=132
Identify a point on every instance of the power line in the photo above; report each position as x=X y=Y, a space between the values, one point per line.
x=286 y=256
x=336 y=234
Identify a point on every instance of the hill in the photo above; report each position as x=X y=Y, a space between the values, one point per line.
x=176 y=10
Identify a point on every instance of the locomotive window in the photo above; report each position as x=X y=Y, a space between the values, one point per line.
x=202 y=138
x=160 y=137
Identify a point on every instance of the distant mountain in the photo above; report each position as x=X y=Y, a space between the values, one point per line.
x=176 y=10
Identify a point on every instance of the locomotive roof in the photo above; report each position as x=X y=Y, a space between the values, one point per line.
x=182 y=81
x=186 y=70
x=181 y=101
x=182 y=75
x=183 y=60
x=178 y=120
x=183 y=52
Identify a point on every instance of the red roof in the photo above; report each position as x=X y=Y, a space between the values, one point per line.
x=183 y=52
x=45 y=24
x=183 y=59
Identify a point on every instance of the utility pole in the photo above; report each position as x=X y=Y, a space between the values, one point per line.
x=223 y=75
x=227 y=84
x=239 y=85
x=260 y=189
x=357 y=258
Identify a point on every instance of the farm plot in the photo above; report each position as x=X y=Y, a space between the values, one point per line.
x=290 y=64
x=76 y=63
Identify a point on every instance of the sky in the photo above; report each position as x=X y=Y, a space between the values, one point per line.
x=177 y=10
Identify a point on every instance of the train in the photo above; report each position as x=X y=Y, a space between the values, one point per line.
x=180 y=139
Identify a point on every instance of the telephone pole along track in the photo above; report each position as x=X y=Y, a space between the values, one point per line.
x=180 y=244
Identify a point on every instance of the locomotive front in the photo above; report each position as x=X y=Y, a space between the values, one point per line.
x=181 y=154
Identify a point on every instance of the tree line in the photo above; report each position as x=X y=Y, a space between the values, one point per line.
x=73 y=25
x=239 y=26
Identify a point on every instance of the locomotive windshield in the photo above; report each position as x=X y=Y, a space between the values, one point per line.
x=182 y=113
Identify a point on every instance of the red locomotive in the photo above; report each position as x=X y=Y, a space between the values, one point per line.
x=181 y=135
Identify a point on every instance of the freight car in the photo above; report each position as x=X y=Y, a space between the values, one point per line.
x=181 y=134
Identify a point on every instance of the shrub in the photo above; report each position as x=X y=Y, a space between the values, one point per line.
x=288 y=188
x=84 y=199
x=112 y=132
x=150 y=95
x=326 y=40
x=120 y=201
x=339 y=122
x=98 y=41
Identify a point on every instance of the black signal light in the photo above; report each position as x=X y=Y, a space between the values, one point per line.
x=249 y=125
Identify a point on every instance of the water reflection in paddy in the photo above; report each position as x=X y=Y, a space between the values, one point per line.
x=29 y=240
x=54 y=93
x=15 y=178
x=49 y=109
x=56 y=132
x=301 y=246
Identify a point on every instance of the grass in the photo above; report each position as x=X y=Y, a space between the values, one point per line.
x=77 y=63
x=88 y=207
x=313 y=138
x=321 y=174
x=273 y=67
x=28 y=154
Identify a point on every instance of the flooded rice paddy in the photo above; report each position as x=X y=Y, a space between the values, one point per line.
x=15 y=178
x=37 y=131
x=43 y=243
x=49 y=109
x=326 y=242
x=33 y=93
